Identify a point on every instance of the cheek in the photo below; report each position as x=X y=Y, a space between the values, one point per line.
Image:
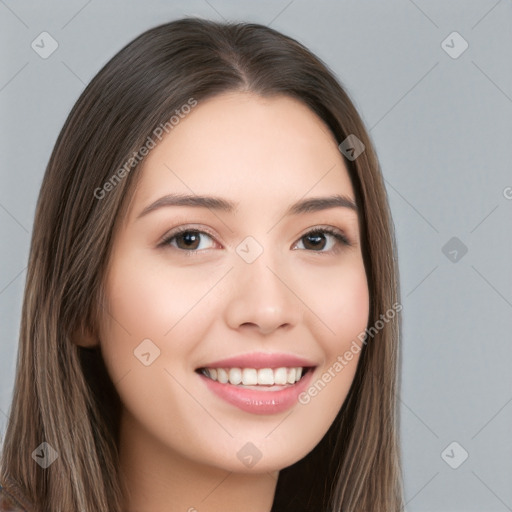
x=154 y=322
x=340 y=300
x=343 y=305
x=140 y=331
x=151 y=300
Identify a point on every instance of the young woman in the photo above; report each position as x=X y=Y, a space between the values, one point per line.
x=211 y=312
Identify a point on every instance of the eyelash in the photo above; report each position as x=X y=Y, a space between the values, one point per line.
x=338 y=235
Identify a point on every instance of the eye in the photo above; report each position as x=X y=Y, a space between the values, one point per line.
x=321 y=239
x=187 y=239
x=324 y=240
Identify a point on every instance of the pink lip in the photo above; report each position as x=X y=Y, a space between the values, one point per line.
x=259 y=402
x=259 y=360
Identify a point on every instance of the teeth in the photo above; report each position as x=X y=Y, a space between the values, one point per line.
x=266 y=376
x=249 y=377
x=235 y=376
x=280 y=376
x=222 y=375
x=255 y=377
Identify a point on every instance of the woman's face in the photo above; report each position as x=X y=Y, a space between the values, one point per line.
x=253 y=289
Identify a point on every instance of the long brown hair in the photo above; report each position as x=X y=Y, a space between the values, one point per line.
x=62 y=393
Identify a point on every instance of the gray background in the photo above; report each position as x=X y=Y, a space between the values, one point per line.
x=442 y=127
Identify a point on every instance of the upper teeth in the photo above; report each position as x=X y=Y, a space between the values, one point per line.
x=253 y=376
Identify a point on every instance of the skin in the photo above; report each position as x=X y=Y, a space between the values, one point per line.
x=179 y=441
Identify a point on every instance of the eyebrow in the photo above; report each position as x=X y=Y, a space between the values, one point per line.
x=314 y=204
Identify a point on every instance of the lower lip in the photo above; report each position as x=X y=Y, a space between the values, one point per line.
x=259 y=402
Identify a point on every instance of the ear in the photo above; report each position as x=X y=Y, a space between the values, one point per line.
x=84 y=337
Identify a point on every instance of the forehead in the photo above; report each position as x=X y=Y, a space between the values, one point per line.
x=246 y=147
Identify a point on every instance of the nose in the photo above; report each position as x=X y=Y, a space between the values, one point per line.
x=261 y=298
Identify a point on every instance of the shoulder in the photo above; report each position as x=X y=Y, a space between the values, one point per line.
x=12 y=501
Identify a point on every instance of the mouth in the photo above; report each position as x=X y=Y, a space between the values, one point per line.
x=263 y=390
x=261 y=379
x=258 y=382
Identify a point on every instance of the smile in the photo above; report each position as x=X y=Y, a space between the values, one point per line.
x=265 y=384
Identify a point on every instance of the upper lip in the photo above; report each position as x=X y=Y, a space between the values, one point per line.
x=259 y=360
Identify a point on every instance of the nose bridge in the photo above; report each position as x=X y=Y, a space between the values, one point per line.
x=260 y=293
